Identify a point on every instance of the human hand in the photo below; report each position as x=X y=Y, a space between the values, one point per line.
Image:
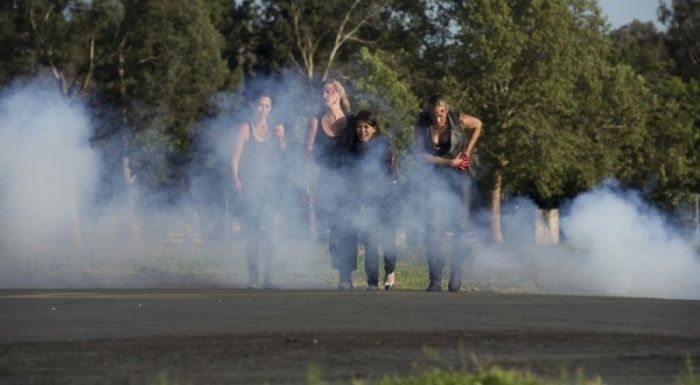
x=465 y=161
x=279 y=131
x=237 y=184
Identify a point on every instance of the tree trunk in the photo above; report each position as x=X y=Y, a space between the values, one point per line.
x=75 y=215
x=496 y=190
x=697 y=217
x=129 y=179
x=547 y=227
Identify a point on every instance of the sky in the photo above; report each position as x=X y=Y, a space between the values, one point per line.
x=621 y=12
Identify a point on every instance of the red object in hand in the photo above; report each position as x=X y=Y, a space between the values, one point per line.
x=465 y=161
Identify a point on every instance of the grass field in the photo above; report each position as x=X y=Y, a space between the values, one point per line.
x=302 y=264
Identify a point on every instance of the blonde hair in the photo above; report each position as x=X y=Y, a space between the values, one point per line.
x=344 y=101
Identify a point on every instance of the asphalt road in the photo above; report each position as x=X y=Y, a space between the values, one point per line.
x=239 y=336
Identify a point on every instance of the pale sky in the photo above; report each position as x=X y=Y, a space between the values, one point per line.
x=621 y=12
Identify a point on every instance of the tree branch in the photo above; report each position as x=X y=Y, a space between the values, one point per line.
x=342 y=37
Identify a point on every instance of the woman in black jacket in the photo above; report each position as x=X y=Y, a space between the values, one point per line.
x=373 y=188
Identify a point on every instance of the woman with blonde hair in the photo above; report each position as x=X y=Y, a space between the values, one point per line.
x=327 y=144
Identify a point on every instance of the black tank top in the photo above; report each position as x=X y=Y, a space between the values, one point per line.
x=260 y=164
x=330 y=152
x=456 y=142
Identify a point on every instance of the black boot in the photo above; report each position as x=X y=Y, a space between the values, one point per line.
x=252 y=273
x=461 y=257
x=435 y=267
x=345 y=280
x=455 y=280
x=434 y=286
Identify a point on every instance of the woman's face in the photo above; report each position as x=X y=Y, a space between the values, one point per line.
x=365 y=131
x=263 y=107
x=330 y=95
x=438 y=115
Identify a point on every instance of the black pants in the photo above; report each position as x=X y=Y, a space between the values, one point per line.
x=342 y=246
x=260 y=240
x=374 y=240
x=446 y=226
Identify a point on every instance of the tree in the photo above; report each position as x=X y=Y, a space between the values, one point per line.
x=62 y=36
x=683 y=23
x=667 y=166
x=16 y=53
x=168 y=63
x=643 y=47
x=532 y=71
x=315 y=35
x=379 y=89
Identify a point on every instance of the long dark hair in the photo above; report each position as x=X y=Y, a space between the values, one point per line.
x=361 y=116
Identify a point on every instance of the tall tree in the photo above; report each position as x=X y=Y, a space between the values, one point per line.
x=531 y=71
x=667 y=168
x=314 y=35
x=167 y=61
x=683 y=22
x=61 y=36
x=379 y=88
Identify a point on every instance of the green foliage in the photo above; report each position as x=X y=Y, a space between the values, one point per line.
x=665 y=166
x=172 y=65
x=313 y=36
x=380 y=90
x=492 y=376
x=313 y=374
x=173 y=56
x=558 y=118
x=683 y=22
x=565 y=102
x=688 y=376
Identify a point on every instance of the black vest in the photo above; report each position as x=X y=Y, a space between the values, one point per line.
x=456 y=143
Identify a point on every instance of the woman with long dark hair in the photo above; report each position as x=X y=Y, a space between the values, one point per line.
x=255 y=166
x=374 y=184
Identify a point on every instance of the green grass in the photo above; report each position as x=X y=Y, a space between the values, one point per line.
x=480 y=374
x=306 y=264
x=688 y=376
x=491 y=376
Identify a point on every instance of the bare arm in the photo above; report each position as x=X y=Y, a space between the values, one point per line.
x=311 y=135
x=473 y=124
x=436 y=160
x=279 y=134
x=310 y=146
x=241 y=137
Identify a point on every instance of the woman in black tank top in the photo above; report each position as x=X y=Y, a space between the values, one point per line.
x=255 y=165
x=327 y=145
x=443 y=147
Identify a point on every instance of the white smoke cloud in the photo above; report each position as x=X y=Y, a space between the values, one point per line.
x=612 y=243
x=628 y=247
x=47 y=169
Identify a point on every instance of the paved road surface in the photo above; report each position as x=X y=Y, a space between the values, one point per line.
x=238 y=336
